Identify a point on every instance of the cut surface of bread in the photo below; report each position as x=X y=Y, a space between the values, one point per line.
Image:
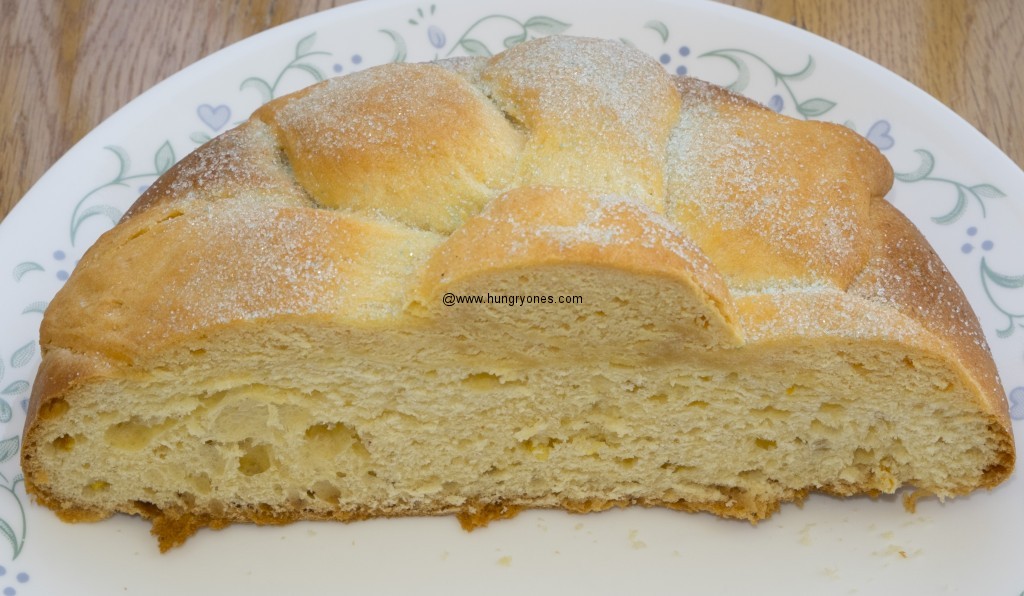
x=557 y=277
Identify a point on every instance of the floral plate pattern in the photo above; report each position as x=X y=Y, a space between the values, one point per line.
x=965 y=196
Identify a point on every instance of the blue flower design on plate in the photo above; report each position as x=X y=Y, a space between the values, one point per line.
x=214 y=116
x=20 y=578
x=60 y=262
x=879 y=135
x=968 y=247
x=666 y=60
x=1017 y=403
x=355 y=59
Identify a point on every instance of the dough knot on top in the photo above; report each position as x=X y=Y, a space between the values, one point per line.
x=769 y=199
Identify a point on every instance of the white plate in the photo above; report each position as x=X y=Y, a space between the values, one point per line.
x=967 y=197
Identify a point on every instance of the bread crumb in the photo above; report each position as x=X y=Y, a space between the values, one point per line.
x=636 y=544
x=805 y=534
x=916 y=520
x=897 y=551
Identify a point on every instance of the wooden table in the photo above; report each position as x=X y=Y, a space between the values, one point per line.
x=68 y=64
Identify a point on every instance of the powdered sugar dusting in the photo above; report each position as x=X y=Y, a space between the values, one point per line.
x=724 y=169
x=312 y=112
x=247 y=261
x=575 y=79
x=907 y=277
x=599 y=227
x=414 y=142
x=572 y=221
x=739 y=171
x=593 y=229
x=597 y=113
x=824 y=312
x=242 y=163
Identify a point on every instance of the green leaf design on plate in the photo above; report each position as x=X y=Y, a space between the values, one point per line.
x=1006 y=281
x=987 y=191
x=312 y=70
x=36 y=307
x=923 y=170
x=401 y=52
x=199 y=137
x=261 y=86
x=23 y=355
x=545 y=25
x=742 y=70
x=17 y=542
x=474 y=47
x=804 y=72
x=16 y=388
x=957 y=210
x=9 y=448
x=660 y=28
x=164 y=158
x=303 y=49
x=514 y=40
x=22 y=268
x=80 y=217
x=5 y=411
x=124 y=162
x=305 y=45
x=1012 y=282
x=812 y=108
x=8 y=533
x=538 y=25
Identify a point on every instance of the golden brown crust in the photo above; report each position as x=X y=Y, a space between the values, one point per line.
x=60 y=372
x=583 y=128
x=454 y=147
x=788 y=200
x=906 y=274
x=243 y=162
x=175 y=270
x=356 y=203
x=536 y=227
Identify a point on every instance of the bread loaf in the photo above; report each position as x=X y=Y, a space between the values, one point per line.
x=555 y=278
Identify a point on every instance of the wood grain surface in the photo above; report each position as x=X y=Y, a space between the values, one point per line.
x=69 y=64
